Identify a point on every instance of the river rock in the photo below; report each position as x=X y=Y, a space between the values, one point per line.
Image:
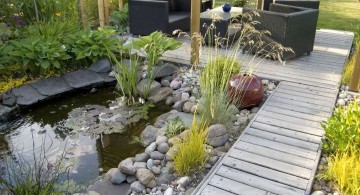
x=100 y=66
x=169 y=100
x=165 y=83
x=184 y=181
x=137 y=186
x=254 y=110
x=156 y=155
x=150 y=148
x=143 y=83
x=175 y=84
x=169 y=191
x=117 y=177
x=160 y=94
x=148 y=135
x=161 y=139
x=179 y=105
x=318 y=193
x=163 y=147
x=217 y=135
x=150 y=163
x=165 y=70
x=139 y=165
x=156 y=170
x=144 y=176
x=127 y=166
x=142 y=157
x=185 y=96
x=108 y=174
x=130 y=178
x=151 y=184
x=188 y=106
x=213 y=160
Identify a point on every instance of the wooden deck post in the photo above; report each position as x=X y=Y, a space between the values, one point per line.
x=355 y=79
x=84 y=20
x=194 y=30
x=259 y=4
x=101 y=13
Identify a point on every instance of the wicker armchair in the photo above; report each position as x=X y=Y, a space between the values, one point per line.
x=291 y=26
x=147 y=16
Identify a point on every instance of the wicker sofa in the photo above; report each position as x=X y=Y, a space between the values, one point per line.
x=147 y=16
x=313 y=4
x=291 y=26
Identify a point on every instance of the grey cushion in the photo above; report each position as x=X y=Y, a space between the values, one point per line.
x=177 y=16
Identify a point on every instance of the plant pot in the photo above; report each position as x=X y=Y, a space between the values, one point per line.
x=226 y=7
x=245 y=91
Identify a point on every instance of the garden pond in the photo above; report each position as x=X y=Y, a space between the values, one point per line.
x=92 y=154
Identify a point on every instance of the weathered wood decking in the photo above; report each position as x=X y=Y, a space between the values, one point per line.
x=280 y=149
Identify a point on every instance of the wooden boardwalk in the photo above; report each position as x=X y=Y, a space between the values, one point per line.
x=279 y=151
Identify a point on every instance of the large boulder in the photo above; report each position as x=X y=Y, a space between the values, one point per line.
x=143 y=84
x=117 y=177
x=127 y=166
x=160 y=94
x=106 y=187
x=137 y=186
x=142 y=157
x=100 y=66
x=148 y=135
x=165 y=70
x=186 y=118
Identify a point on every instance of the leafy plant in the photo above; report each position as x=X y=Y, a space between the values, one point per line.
x=342 y=129
x=120 y=18
x=239 y=3
x=92 y=45
x=174 y=126
x=344 y=169
x=36 y=54
x=191 y=155
x=5 y=59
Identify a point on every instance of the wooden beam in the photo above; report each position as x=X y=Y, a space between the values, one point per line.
x=355 y=79
x=260 y=4
x=84 y=20
x=194 y=31
x=101 y=13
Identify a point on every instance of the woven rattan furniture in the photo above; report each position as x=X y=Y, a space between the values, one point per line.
x=147 y=16
x=313 y=4
x=291 y=26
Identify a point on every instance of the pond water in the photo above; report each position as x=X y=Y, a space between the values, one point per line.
x=44 y=127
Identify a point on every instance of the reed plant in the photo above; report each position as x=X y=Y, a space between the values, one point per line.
x=191 y=155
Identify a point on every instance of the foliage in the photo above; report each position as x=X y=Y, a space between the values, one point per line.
x=120 y=18
x=191 y=154
x=5 y=59
x=53 y=29
x=92 y=45
x=346 y=77
x=239 y=3
x=342 y=129
x=36 y=54
x=11 y=83
x=174 y=126
x=344 y=169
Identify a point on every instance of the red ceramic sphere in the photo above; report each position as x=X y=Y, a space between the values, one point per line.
x=245 y=91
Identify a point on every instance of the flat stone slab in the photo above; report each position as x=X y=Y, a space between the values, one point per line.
x=100 y=66
x=51 y=86
x=106 y=187
x=107 y=78
x=82 y=78
x=186 y=118
x=24 y=96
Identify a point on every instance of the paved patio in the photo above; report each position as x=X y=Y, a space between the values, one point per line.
x=279 y=151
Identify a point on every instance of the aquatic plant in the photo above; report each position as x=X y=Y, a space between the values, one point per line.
x=174 y=127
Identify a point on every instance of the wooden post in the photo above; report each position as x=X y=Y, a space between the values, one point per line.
x=355 y=79
x=121 y=5
x=259 y=4
x=107 y=12
x=101 y=13
x=84 y=20
x=194 y=30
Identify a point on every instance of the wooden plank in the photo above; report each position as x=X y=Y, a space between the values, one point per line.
x=310 y=88
x=304 y=99
x=234 y=186
x=291 y=119
x=275 y=154
x=283 y=139
x=266 y=173
x=286 y=132
x=294 y=113
x=279 y=146
x=289 y=125
x=258 y=182
x=303 y=92
x=327 y=109
x=318 y=96
x=299 y=109
x=270 y=163
x=210 y=190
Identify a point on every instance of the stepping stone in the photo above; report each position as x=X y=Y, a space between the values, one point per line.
x=106 y=187
x=101 y=66
x=9 y=98
x=51 y=86
x=24 y=95
x=83 y=78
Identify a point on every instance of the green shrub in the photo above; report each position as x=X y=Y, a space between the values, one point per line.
x=191 y=154
x=342 y=129
x=92 y=45
x=120 y=18
x=54 y=29
x=174 y=127
x=239 y=3
x=38 y=55
x=5 y=58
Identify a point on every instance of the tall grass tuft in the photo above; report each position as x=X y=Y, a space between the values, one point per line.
x=344 y=169
x=191 y=155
